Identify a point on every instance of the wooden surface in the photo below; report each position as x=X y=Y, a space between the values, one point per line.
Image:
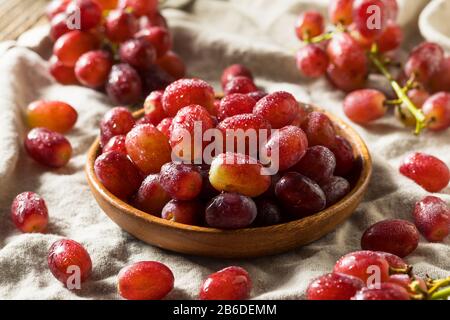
x=244 y=243
x=17 y=16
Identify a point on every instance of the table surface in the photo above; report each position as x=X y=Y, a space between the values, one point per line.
x=17 y=16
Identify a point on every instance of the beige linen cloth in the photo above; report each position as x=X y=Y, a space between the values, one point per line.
x=209 y=35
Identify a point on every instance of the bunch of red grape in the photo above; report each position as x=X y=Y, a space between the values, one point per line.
x=364 y=40
x=233 y=190
x=122 y=48
x=375 y=275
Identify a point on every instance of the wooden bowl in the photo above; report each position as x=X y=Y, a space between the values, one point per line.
x=243 y=243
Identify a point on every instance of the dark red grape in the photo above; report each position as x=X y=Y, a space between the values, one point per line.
x=335 y=189
x=117 y=121
x=269 y=214
x=185 y=212
x=318 y=164
x=230 y=211
x=151 y=197
x=124 y=85
x=398 y=237
x=432 y=218
x=300 y=195
x=345 y=159
x=154 y=78
x=334 y=286
x=440 y=80
x=319 y=129
x=138 y=53
x=158 y=37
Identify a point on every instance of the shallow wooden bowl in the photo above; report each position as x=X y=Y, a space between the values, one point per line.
x=251 y=242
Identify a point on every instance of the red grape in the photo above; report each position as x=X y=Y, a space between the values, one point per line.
x=120 y=25
x=391 y=38
x=424 y=61
x=139 y=53
x=107 y=4
x=89 y=11
x=309 y=24
x=148 y=148
x=70 y=46
x=386 y=291
x=63 y=74
x=360 y=263
x=172 y=64
x=151 y=197
x=55 y=7
x=394 y=261
x=319 y=129
x=58 y=26
x=285 y=147
x=185 y=92
x=348 y=78
x=54 y=115
x=235 y=70
x=154 y=78
x=335 y=189
x=364 y=106
x=427 y=171
x=370 y=17
x=154 y=20
x=158 y=37
x=145 y=280
x=240 y=84
x=164 y=126
x=235 y=172
x=312 y=61
x=252 y=126
x=269 y=214
x=232 y=283
x=116 y=143
x=345 y=53
x=391 y=9
x=398 y=237
x=406 y=282
x=279 y=108
x=181 y=181
x=440 y=80
x=153 y=108
x=93 y=67
x=185 y=212
x=47 y=147
x=432 y=218
x=257 y=95
x=318 y=164
x=208 y=192
x=29 y=212
x=341 y=11
x=65 y=254
x=334 y=286
x=234 y=104
x=124 y=85
x=189 y=122
x=117 y=121
x=300 y=195
x=345 y=159
x=418 y=96
x=437 y=111
x=118 y=174
x=140 y=7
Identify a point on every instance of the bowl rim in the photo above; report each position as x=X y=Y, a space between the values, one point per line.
x=359 y=187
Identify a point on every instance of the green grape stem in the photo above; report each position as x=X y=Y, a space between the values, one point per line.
x=401 y=92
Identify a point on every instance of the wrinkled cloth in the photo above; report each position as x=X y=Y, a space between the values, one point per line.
x=209 y=35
